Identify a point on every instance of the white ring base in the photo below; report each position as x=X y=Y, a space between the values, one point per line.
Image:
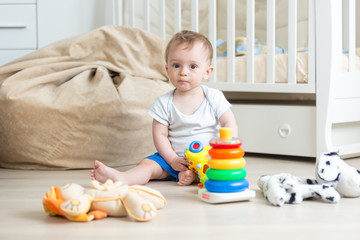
x=213 y=197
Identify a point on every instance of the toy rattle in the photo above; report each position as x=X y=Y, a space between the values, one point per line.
x=226 y=174
x=198 y=156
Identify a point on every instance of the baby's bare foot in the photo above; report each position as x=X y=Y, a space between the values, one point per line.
x=102 y=173
x=186 y=177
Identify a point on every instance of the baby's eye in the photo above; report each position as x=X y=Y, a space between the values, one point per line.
x=176 y=65
x=193 y=66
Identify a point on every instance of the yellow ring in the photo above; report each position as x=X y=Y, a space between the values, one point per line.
x=227 y=163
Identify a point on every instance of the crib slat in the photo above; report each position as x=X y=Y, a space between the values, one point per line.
x=120 y=11
x=231 y=41
x=114 y=14
x=195 y=15
x=292 y=41
x=311 y=47
x=117 y=12
x=270 y=41
x=177 y=23
x=162 y=24
x=351 y=36
x=146 y=14
x=212 y=35
x=338 y=41
x=132 y=13
x=250 y=33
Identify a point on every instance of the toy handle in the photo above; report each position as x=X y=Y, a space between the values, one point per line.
x=196 y=147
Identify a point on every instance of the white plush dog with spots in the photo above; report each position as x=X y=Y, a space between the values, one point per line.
x=334 y=178
x=286 y=188
x=330 y=168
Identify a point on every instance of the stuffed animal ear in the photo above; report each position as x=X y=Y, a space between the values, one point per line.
x=154 y=196
x=138 y=207
x=76 y=209
x=142 y=202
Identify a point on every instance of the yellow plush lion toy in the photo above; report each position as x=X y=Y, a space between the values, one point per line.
x=77 y=203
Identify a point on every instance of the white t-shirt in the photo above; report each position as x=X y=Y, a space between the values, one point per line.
x=202 y=125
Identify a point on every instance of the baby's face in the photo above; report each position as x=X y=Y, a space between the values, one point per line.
x=187 y=67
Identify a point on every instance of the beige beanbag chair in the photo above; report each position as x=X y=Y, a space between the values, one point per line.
x=82 y=99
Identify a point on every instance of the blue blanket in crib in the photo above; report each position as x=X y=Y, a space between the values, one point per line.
x=240 y=48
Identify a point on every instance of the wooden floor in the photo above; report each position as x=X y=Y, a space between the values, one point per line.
x=185 y=216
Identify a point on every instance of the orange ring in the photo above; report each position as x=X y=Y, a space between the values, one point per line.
x=226 y=153
x=235 y=163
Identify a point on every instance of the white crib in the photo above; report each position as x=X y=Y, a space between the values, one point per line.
x=289 y=117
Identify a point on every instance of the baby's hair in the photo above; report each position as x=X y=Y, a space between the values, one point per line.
x=189 y=37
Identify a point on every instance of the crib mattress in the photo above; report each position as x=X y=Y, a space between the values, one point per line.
x=281 y=68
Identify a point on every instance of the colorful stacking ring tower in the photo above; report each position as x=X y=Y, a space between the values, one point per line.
x=226 y=173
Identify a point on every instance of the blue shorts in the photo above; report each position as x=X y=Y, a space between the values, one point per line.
x=173 y=174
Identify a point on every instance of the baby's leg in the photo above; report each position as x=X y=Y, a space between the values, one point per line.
x=187 y=177
x=101 y=173
x=141 y=174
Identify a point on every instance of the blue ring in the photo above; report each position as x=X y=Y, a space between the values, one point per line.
x=196 y=150
x=226 y=186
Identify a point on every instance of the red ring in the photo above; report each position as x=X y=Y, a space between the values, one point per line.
x=219 y=145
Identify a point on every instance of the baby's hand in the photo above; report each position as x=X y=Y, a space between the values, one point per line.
x=179 y=164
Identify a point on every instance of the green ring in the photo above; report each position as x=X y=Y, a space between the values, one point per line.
x=226 y=175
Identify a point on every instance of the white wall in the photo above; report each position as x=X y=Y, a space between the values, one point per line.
x=59 y=19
